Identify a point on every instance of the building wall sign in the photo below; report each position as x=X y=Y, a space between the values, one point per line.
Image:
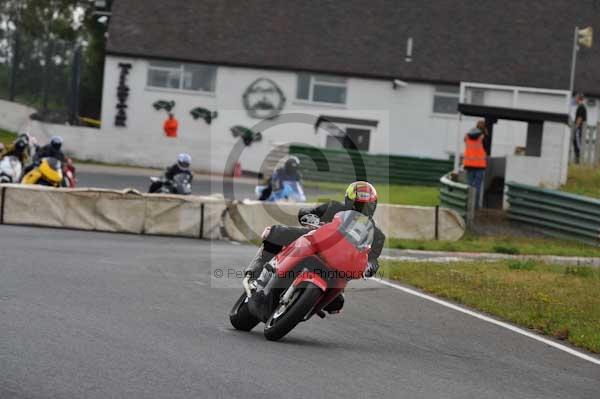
x=122 y=95
x=263 y=99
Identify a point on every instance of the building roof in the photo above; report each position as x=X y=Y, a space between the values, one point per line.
x=511 y=42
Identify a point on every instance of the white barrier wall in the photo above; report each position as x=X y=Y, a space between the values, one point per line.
x=14 y=116
x=125 y=211
x=247 y=220
x=128 y=211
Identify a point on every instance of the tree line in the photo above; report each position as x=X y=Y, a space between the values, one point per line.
x=46 y=45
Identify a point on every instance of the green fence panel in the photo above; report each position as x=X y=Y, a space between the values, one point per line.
x=555 y=213
x=347 y=165
x=454 y=195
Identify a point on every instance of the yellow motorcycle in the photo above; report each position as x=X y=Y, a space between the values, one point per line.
x=47 y=173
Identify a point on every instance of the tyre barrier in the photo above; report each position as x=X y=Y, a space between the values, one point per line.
x=203 y=217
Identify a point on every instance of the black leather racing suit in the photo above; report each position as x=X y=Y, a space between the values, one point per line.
x=280 y=236
x=170 y=173
x=48 y=151
x=174 y=170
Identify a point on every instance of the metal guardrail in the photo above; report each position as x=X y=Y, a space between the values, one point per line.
x=457 y=196
x=590 y=146
x=555 y=213
x=348 y=165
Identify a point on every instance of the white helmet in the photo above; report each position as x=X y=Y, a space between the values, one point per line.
x=184 y=161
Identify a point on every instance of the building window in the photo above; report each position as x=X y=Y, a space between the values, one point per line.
x=445 y=99
x=350 y=139
x=174 y=75
x=321 y=88
x=476 y=96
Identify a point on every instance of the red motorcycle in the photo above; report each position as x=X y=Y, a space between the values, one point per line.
x=69 y=174
x=305 y=276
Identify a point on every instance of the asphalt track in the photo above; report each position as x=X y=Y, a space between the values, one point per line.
x=139 y=179
x=95 y=315
x=118 y=181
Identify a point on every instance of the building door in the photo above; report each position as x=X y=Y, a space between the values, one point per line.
x=357 y=139
x=347 y=133
x=350 y=139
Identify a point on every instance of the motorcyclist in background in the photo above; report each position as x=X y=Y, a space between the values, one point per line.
x=360 y=196
x=50 y=150
x=288 y=172
x=19 y=148
x=184 y=161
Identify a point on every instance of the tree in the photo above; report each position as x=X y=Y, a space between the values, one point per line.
x=93 y=65
x=49 y=31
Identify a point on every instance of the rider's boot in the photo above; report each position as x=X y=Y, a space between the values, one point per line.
x=336 y=305
x=261 y=302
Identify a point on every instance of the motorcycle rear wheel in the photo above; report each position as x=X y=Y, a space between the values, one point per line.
x=240 y=317
x=286 y=317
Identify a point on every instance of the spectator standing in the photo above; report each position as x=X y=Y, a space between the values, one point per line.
x=475 y=158
x=580 y=121
x=171 y=125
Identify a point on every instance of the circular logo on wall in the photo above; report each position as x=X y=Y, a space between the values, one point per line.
x=263 y=99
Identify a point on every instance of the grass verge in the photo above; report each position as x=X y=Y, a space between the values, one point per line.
x=7 y=137
x=559 y=301
x=583 y=180
x=391 y=194
x=501 y=244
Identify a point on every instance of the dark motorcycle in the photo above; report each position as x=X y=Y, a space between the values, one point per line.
x=181 y=184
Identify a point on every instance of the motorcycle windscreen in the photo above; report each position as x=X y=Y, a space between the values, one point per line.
x=182 y=183
x=291 y=191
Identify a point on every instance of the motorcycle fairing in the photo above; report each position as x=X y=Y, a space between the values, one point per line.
x=51 y=171
x=291 y=190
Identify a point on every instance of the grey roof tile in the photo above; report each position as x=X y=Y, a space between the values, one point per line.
x=525 y=43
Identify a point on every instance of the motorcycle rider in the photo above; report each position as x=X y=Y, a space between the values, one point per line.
x=19 y=148
x=289 y=172
x=360 y=196
x=184 y=161
x=50 y=150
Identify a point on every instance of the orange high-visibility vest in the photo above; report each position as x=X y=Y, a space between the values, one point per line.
x=475 y=156
x=170 y=127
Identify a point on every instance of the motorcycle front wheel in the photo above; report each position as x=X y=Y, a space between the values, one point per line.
x=287 y=316
x=240 y=317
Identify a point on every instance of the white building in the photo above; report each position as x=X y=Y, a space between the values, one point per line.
x=386 y=78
